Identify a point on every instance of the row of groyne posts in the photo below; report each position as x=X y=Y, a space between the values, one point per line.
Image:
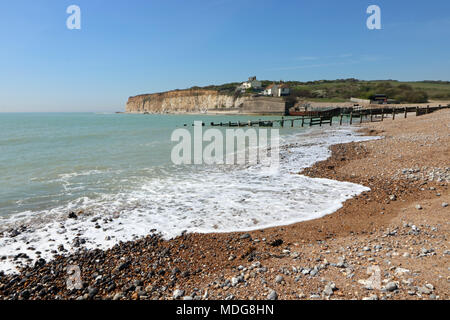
x=319 y=118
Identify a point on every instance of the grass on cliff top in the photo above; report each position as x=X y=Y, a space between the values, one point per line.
x=343 y=89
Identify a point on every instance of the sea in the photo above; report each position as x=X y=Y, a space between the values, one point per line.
x=115 y=173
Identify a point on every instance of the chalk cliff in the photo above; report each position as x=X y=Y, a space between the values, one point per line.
x=183 y=101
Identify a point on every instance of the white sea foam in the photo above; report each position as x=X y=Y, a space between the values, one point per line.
x=208 y=199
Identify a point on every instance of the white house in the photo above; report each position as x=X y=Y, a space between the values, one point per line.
x=283 y=90
x=252 y=83
x=271 y=90
x=277 y=90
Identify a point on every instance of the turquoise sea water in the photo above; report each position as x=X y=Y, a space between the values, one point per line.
x=47 y=160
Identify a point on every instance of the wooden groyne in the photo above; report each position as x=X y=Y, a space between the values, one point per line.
x=282 y=123
x=325 y=118
x=379 y=114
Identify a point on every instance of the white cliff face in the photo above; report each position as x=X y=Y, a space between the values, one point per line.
x=183 y=101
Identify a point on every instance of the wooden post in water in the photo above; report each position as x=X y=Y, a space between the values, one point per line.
x=371 y=116
x=351 y=118
x=331 y=121
x=340 y=121
x=320 y=120
x=382 y=114
x=406 y=112
x=292 y=123
x=303 y=121
x=393 y=114
x=428 y=109
x=360 y=117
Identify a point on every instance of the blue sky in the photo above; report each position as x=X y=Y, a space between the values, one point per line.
x=131 y=47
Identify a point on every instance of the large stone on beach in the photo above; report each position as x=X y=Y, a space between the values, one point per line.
x=279 y=279
x=391 y=286
x=245 y=236
x=328 y=291
x=177 y=294
x=272 y=295
x=73 y=215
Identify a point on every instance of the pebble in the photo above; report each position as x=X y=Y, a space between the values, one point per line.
x=341 y=263
x=424 y=290
x=92 y=292
x=272 y=295
x=118 y=296
x=391 y=286
x=175 y=271
x=276 y=243
x=329 y=289
x=401 y=271
x=72 y=215
x=177 y=294
x=444 y=205
x=25 y=294
x=419 y=207
x=123 y=266
x=371 y=298
x=279 y=279
x=185 y=274
x=427 y=251
x=429 y=286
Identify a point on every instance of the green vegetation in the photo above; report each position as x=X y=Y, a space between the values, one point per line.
x=343 y=89
x=227 y=88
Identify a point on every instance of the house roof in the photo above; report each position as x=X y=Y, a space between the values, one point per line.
x=282 y=86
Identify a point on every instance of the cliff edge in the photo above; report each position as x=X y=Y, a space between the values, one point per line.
x=184 y=101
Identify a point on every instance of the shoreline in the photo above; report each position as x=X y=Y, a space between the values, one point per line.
x=298 y=261
x=27 y=238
